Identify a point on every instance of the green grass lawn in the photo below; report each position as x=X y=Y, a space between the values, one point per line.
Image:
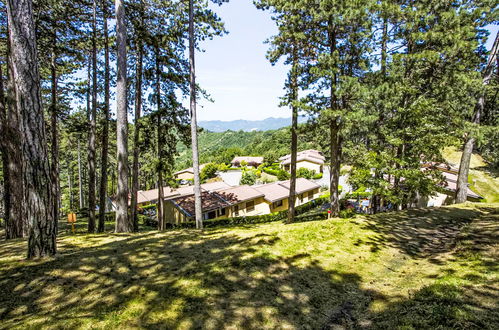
x=429 y=268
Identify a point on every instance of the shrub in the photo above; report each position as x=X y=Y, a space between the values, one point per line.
x=282 y=175
x=318 y=176
x=347 y=213
x=303 y=172
x=248 y=178
x=208 y=172
x=223 y=167
x=244 y=163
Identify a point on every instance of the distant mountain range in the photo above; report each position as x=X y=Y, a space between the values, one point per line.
x=247 y=125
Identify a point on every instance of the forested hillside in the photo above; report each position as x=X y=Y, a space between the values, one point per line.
x=222 y=147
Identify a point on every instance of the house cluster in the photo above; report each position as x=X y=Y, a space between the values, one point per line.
x=310 y=159
x=219 y=200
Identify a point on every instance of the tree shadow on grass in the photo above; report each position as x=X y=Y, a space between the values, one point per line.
x=184 y=279
x=189 y=279
x=461 y=298
x=420 y=233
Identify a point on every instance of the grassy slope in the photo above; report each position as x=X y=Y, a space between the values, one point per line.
x=415 y=269
x=483 y=180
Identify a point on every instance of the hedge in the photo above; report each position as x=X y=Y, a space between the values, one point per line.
x=255 y=219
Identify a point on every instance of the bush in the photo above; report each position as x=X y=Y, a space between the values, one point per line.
x=208 y=172
x=271 y=171
x=317 y=176
x=303 y=172
x=248 y=178
x=149 y=206
x=347 y=213
x=223 y=167
x=282 y=175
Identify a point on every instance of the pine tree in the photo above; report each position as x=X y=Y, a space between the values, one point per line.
x=123 y=224
x=105 y=123
x=39 y=198
x=194 y=128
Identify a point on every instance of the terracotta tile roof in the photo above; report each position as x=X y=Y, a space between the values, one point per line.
x=209 y=201
x=239 y=194
x=280 y=190
x=152 y=195
x=302 y=185
x=169 y=193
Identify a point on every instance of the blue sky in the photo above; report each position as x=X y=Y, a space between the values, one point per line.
x=234 y=70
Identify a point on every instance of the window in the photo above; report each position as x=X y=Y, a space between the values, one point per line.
x=236 y=210
x=302 y=197
x=221 y=212
x=310 y=195
x=250 y=206
x=277 y=204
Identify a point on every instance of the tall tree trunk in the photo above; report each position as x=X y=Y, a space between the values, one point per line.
x=335 y=140
x=53 y=125
x=37 y=180
x=294 y=136
x=335 y=147
x=105 y=126
x=80 y=179
x=16 y=223
x=92 y=124
x=376 y=199
x=159 y=204
x=464 y=166
x=136 y=133
x=5 y=158
x=122 y=221
x=194 y=127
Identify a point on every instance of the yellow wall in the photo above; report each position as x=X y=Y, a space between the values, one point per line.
x=285 y=202
x=184 y=176
x=260 y=208
x=311 y=166
x=173 y=214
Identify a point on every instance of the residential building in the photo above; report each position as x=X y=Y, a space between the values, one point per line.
x=240 y=201
x=277 y=193
x=449 y=185
x=232 y=202
x=187 y=174
x=310 y=159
